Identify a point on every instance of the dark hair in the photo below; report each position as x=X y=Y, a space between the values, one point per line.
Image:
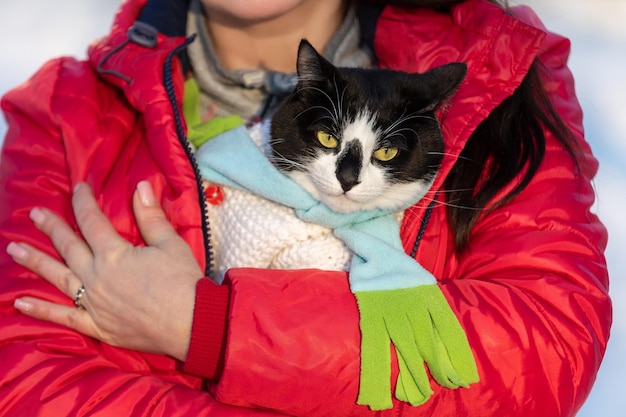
x=510 y=141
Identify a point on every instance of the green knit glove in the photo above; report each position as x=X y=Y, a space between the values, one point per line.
x=423 y=329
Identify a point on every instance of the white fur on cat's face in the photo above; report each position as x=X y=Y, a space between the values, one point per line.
x=374 y=189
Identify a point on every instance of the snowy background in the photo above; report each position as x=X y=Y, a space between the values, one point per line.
x=33 y=31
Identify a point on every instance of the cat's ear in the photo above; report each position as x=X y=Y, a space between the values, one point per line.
x=440 y=82
x=312 y=67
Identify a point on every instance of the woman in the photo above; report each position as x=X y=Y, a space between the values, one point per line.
x=510 y=237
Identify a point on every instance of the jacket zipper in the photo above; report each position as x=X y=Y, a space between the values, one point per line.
x=168 y=83
x=423 y=226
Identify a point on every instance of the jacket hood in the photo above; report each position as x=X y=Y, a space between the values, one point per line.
x=144 y=34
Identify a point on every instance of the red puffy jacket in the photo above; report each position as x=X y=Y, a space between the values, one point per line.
x=530 y=290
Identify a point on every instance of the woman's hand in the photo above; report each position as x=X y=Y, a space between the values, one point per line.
x=139 y=298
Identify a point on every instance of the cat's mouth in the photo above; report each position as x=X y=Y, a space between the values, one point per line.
x=347 y=202
x=390 y=197
x=341 y=203
x=393 y=198
x=333 y=197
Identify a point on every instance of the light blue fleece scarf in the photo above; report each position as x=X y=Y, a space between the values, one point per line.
x=399 y=301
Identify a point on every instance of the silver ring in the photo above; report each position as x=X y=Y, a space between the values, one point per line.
x=79 y=293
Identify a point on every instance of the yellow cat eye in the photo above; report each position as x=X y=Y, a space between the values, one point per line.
x=327 y=140
x=386 y=154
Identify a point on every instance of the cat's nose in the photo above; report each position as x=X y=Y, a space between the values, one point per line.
x=349 y=166
x=348 y=178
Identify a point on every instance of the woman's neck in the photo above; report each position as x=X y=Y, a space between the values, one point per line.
x=272 y=43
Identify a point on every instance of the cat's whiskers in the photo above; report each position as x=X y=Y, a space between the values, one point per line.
x=452 y=155
x=454 y=191
x=284 y=164
x=339 y=99
x=450 y=204
x=335 y=114
x=426 y=200
x=403 y=118
x=324 y=126
x=330 y=116
x=399 y=133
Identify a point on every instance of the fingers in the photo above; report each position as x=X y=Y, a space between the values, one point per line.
x=58 y=275
x=56 y=313
x=96 y=228
x=71 y=247
x=153 y=224
x=50 y=269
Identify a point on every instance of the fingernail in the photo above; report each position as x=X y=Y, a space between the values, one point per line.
x=23 y=306
x=16 y=251
x=79 y=186
x=146 y=196
x=37 y=215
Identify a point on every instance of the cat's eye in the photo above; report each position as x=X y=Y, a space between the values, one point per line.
x=327 y=140
x=386 y=154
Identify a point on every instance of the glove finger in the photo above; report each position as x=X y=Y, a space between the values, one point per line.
x=414 y=379
x=442 y=342
x=431 y=348
x=375 y=385
x=406 y=387
x=445 y=373
x=451 y=342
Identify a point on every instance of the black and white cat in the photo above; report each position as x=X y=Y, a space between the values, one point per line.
x=362 y=138
x=355 y=139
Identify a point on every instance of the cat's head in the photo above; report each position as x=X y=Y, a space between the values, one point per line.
x=359 y=139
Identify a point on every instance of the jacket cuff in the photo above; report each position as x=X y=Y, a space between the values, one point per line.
x=207 y=346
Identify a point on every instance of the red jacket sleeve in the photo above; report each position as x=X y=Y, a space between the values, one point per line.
x=47 y=369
